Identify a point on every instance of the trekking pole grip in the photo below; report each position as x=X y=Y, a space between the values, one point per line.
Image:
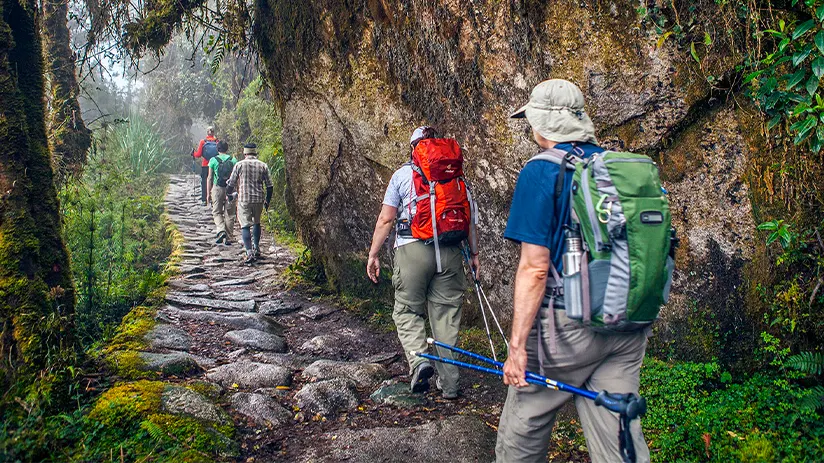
x=629 y=405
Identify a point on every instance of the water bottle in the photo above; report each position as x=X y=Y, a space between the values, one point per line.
x=573 y=294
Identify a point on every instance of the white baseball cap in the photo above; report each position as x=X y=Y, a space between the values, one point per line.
x=556 y=111
x=417 y=134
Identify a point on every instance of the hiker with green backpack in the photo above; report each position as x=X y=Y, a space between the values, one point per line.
x=223 y=210
x=596 y=260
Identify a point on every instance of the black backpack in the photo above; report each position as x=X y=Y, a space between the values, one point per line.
x=224 y=171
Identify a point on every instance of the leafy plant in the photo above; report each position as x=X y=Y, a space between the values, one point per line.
x=811 y=363
x=785 y=83
x=780 y=231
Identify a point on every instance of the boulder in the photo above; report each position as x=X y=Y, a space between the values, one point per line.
x=316 y=312
x=262 y=409
x=362 y=374
x=278 y=307
x=183 y=401
x=164 y=336
x=398 y=395
x=173 y=363
x=327 y=397
x=257 y=339
x=250 y=375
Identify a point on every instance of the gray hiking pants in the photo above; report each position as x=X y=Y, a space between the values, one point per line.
x=223 y=212
x=420 y=291
x=584 y=358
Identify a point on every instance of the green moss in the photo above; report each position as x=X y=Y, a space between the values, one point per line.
x=128 y=364
x=205 y=388
x=127 y=403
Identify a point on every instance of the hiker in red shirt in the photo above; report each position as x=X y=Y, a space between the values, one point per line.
x=206 y=150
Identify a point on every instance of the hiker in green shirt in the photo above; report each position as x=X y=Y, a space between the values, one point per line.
x=223 y=211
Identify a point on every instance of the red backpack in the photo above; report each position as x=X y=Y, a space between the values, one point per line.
x=440 y=192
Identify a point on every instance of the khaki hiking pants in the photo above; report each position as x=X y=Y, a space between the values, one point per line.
x=584 y=358
x=249 y=214
x=420 y=291
x=223 y=212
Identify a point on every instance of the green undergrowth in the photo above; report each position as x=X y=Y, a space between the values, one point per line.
x=699 y=412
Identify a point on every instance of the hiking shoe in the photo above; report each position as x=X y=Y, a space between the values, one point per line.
x=420 y=378
x=221 y=237
x=227 y=242
x=203 y=203
x=250 y=259
x=256 y=252
x=452 y=395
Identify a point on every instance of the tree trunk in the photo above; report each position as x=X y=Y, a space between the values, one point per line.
x=70 y=139
x=37 y=296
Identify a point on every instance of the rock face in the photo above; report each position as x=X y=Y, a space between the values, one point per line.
x=456 y=439
x=347 y=121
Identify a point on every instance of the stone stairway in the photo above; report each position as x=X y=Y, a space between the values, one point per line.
x=301 y=378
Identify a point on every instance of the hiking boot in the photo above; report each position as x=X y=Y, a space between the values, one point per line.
x=250 y=258
x=451 y=395
x=227 y=242
x=203 y=203
x=420 y=378
x=221 y=237
x=256 y=252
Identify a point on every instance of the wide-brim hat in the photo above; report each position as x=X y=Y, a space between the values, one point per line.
x=556 y=111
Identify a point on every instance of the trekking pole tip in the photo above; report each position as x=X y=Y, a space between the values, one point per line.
x=430 y=340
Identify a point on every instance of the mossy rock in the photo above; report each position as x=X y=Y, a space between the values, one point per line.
x=131 y=416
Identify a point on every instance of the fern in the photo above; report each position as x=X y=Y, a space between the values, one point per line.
x=154 y=430
x=811 y=363
x=814 y=400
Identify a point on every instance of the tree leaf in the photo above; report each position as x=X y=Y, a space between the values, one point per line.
x=781 y=24
x=803 y=29
x=707 y=39
x=753 y=75
x=796 y=78
x=694 y=53
x=819 y=41
x=802 y=136
x=819 y=13
x=815 y=142
x=812 y=85
x=783 y=44
x=663 y=39
x=776 y=120
x=800 y=56
x=818 y=67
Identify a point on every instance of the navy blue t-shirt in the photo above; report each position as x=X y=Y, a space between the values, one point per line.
x=535 y=217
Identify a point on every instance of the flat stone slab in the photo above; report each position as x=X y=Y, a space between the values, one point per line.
x=243 y=306
x=234 y=282
x=316 y=312
x=236 y=320
x=250 y=375
x=183 y=401
x=278 y=307
x=257 y=339
x=290 y=361
x=188 y=270
x=327 y=397
x=459 y=439
x=241 y=295
x=182 y=285
x=397 y=395
x=263 y=410
x=173 y=363
x=362 y=374
x=164 y=336
x=332 y=343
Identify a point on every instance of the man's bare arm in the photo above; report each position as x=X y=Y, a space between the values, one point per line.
x=530 y=286
x=386 y=220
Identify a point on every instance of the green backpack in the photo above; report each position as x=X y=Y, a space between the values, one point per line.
x=624 y=219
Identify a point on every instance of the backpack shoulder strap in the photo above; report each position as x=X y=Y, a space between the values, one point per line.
x=566 y=161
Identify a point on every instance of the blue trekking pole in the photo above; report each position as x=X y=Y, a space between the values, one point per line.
x=480 y=292
x=627 y=406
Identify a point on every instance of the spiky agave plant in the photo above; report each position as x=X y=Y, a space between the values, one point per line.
x=139 y=147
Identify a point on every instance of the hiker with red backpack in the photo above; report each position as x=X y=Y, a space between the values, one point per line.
x=206 y=150
x=223 y=210
x=430 y=207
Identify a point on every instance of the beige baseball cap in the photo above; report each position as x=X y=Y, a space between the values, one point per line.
x=556 y=111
